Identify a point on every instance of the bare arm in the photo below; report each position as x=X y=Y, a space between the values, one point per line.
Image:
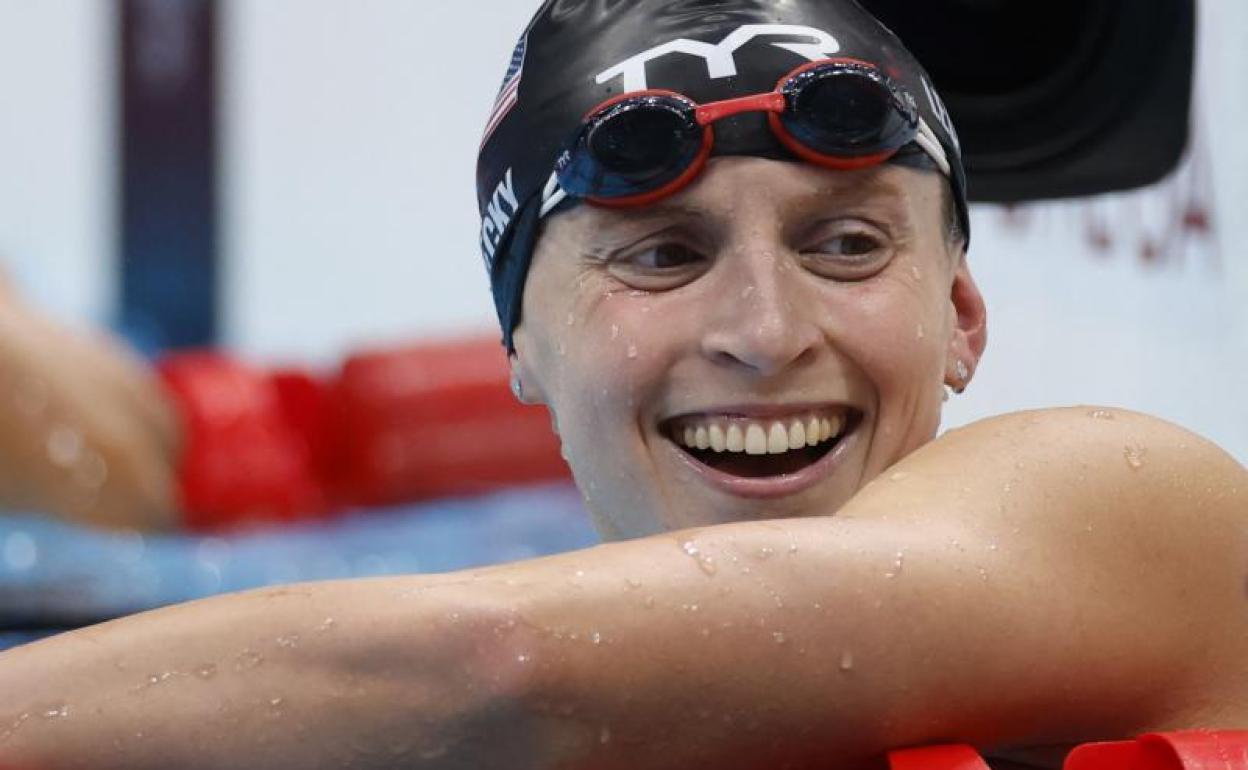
x=1032 y=580
x=86 y=432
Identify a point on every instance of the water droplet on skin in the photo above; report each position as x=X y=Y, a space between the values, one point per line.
x=649 y=602
x=615 y=331
x=704 y=562
x=633 y=584
x=922 y=333
x=779 y=637
x=898 y=563
x=898 y=476
x=288 y=642
x=747 y=292
x=56 y=712
x=571 y=320
x=276 y=702
x=1135 y=456
x=916 y=273
x=792 y=549
x=206 y=671
x=522 y=659
x=247 y=659
x=596 y=638
x=632 y=353
x=1101 y=414
x=765 y=553
x=847 y=661
x=326 y=624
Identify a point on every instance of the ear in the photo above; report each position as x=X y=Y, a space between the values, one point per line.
x=970 y=329
x=531 y=390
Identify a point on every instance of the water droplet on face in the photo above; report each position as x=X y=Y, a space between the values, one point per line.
x=1101 y=414
x=898 y=476
x=632 y=353
x=289 y=641
x=779 y=637
x=615 y=331
x=922 y=332
x=792 y=549
x=56 y=712
x=326 y=624
x=633 y=583
x=765 y=553
x=595 y=637
x=916 y=273
x=571 y=321
x=522 y=659
x=1134 y=456
x=847 y=661
x=747 y=292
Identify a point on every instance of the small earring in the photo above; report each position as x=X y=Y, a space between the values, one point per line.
x=963 y=373
x=517 y=388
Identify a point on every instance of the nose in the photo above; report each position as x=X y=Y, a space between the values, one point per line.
x=763 y=320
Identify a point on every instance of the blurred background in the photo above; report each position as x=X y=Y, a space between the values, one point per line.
x=294 y=179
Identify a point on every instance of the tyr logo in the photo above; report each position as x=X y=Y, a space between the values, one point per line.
x=720 y=58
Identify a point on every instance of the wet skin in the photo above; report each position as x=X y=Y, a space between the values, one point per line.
x=766 y=289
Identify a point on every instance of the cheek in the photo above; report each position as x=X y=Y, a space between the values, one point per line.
x=896 y=331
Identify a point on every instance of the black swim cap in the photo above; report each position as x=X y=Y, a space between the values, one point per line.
x=576 y=54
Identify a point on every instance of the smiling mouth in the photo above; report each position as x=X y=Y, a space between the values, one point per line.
x=762 y=448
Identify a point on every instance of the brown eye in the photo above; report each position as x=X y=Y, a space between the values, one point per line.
x=850 y=255
x=669 y=256
x=659 y=268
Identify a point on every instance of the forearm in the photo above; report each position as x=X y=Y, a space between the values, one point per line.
x=306 y=676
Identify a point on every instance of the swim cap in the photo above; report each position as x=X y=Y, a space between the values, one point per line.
x=576 y=54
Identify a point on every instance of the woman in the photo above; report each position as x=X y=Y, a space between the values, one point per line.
x=733 y=351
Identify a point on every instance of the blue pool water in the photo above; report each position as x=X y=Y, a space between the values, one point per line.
x=53 y=574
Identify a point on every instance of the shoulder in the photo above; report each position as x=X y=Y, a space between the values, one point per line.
x=1097 y=449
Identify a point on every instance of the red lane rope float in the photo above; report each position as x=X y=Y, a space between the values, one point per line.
x=392 y=426
x=1183 y=750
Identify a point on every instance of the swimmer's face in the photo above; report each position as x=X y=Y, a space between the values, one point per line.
x=765 y=307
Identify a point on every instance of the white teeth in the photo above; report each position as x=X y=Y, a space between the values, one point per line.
x=797 y=435
x=718 y=441
x=777 y=439
x=738 y=436
x=755 y=440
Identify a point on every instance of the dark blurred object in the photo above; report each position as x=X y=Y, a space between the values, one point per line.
x=1057 y=98
x=168 y=237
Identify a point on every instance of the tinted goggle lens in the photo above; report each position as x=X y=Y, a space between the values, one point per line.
x=846 y=112
x=637 y=145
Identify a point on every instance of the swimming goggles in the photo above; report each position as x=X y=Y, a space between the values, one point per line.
x=643 y=146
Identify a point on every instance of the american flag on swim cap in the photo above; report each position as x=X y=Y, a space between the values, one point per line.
x=508 y=94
